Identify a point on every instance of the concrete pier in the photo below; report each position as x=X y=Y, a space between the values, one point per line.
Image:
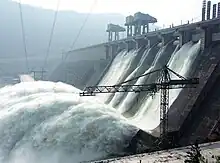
x=139 y=22
x=114 y=29
x=143 y=42
x=111 y=50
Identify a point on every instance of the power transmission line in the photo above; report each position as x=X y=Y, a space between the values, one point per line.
x=84 y=23
x=77 y=37
x=51 y=34
x=23 y=35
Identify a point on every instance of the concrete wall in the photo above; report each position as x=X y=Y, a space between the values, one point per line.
x=196 y=37
x=207 y=113
x=95 y=52
x=216 y=37
x=79 y=73
x=82 y=66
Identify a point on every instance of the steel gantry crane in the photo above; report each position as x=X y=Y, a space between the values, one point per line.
x=165 y=83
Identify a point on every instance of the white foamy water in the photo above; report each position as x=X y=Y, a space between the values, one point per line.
x=26 y=78
x=148 y=115
x=49 y=122
x=116 y=72
x=132 y=96
x=137 y=71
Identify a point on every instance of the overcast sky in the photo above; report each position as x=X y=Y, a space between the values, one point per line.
x=166 y=11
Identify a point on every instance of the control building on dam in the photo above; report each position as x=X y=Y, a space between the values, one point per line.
x=195 y=113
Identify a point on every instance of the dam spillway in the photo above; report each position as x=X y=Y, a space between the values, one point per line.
x=45 y=121
x=163 y=48
x=191 y=50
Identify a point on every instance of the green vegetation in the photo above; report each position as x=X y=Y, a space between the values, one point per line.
x=195 y=156
x=217 y=159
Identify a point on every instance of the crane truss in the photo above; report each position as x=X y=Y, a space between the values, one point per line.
x=165 y=83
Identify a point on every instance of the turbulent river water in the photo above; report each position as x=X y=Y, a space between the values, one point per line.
x=42 y=121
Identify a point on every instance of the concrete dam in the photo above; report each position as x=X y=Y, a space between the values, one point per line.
x=191 y=50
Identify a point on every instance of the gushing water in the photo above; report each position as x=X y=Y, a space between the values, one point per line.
x=116 y=72
x=143 y=109
x=48 y=122
x=147 y=116
x=137 y=71
x=132 y=96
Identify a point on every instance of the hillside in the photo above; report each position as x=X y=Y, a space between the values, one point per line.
x=38 y=24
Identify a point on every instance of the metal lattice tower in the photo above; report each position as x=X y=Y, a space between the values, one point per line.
x=164 y=104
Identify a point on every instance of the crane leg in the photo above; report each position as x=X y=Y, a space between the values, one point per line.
x=164 y=104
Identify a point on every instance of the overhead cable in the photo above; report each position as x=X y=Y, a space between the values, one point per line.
x=83 y=24
x=23 y=35
x=51 y=34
